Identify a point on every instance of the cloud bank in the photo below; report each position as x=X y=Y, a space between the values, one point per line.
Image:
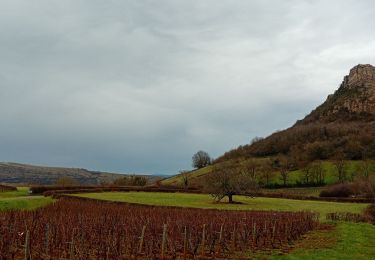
x=139 y=86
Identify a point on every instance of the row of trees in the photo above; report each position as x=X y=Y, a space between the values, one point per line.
x=227 y=180
x=133 y=180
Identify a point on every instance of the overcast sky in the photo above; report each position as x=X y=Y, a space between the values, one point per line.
x=139 y=86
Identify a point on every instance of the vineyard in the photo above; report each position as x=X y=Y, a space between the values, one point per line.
x=76 y=229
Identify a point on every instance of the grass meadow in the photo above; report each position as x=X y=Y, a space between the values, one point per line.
x=21 y=199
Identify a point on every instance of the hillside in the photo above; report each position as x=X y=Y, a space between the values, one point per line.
x=342 y=127
x=31 y=174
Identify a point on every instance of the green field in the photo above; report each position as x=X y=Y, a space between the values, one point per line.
x=205 y=201
x=21 y=199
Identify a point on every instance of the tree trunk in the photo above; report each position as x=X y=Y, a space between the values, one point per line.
x=230 y=198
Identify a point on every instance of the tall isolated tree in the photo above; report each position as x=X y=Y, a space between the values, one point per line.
x=201 y=159
x=227 y=182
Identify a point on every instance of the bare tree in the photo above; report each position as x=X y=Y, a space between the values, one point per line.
x=365 y=168
x=284 y=164
x=227 y=182
x=340 y=166
x=256 y=139
x=317 y=172
x=252 y=168
x=307 y=174
x=267 y=172
x=201 y=159
x=185 y=179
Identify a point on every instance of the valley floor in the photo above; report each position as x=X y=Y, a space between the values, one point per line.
x=244 y=203
x=341 y=240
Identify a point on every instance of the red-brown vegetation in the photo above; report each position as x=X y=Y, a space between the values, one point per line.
x=7 y=188
x=99 y=230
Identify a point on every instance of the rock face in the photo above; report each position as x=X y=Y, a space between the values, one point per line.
x=356 y=95
x=361 y=80
x=360 y=76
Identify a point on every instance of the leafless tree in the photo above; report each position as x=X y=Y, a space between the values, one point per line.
x=267 y=172
x=317 y=172
x=365 y=168
x=201 y=159
x=227 y=182
x=252 y=168
x=284 y=164
x=340 y=166
x=185 y=179
x=307 y=174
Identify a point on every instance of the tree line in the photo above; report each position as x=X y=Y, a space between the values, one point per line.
x=230 y=178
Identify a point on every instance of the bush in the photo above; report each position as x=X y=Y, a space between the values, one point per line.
x=342 y=190
x=4 y=188
x=131 y=181
x=346 y=216
x=370 y=213
x=366 y=186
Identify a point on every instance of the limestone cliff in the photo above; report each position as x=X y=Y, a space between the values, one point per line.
x=354 y=99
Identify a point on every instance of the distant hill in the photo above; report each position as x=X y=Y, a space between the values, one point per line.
x=31 y=174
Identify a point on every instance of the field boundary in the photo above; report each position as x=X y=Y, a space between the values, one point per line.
x=301 y=197
x=197 y=191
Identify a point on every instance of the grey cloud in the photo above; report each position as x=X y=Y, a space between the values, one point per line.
x=139 y=86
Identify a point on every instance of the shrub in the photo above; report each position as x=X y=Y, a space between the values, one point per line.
x=7 y=188
x=366 y=186
x=131 y=181
x=342 y=190
x=370 y=213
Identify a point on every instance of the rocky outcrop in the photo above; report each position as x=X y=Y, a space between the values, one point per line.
x=361 y=79
x=360 y=76
x=355 y=96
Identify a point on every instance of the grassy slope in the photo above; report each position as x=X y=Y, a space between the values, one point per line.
x=205 y=201
x=352 y=241
x=197 y=175
x=21 y=199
